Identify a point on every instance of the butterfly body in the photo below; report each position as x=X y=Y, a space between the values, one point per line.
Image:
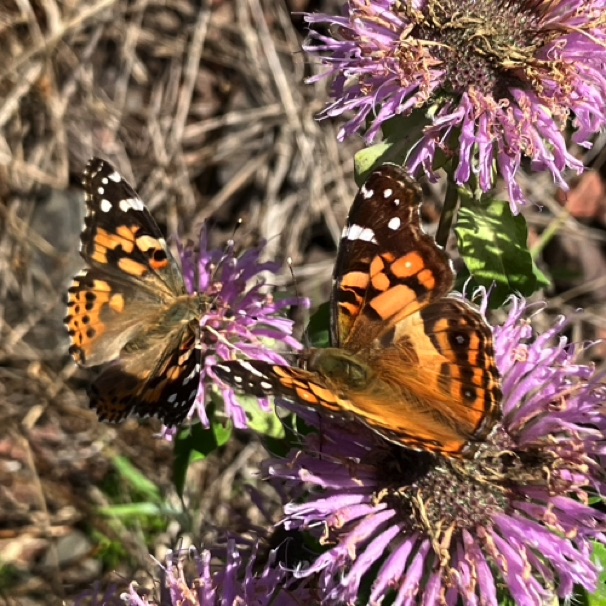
x=129 y=309
x=408 y=358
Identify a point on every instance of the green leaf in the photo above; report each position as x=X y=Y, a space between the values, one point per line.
x=370 y=157
x=195 y=444
x=542 y=280
x=493 y=244
x=136 y=511
x=140 y=484
x=599 y=597
x=400 y=135
x=294 y=430
x=260 y=421
x=318 y=329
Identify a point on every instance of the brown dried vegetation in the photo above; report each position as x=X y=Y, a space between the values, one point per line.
x=202 y=105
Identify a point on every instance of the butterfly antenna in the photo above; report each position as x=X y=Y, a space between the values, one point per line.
x=229 y=246
x=237 y=226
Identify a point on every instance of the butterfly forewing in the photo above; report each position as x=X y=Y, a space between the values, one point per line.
x=120 y=236
x=386 y=266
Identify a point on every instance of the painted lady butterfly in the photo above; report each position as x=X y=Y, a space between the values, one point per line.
x=410 y=360
x=130 y=308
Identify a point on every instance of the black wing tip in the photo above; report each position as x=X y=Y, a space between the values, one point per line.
x=94 y=167
x=394 y=171
x=400 y=176
x=95 y=164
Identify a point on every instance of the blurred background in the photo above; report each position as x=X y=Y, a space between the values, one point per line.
x=203 y=107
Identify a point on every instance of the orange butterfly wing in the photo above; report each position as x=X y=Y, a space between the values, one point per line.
x=410 y=361
x=128 y=309
x=386 y=267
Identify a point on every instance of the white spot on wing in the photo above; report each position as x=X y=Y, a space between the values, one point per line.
x=387 y=193
x=366 y=193
x=131 y=203
x=394 y=223
x=397 y=201
x=100 y=190
x=115 y=177
x=251 y=369
x=192 y=375
x=265 y=385
x=172 y=398
x=105 y=205
x=357 y=232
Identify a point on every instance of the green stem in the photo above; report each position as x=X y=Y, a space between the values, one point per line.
x=550 y=232
x=449 y=209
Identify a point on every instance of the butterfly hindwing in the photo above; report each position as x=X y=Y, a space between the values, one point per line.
x=104 y=313
x=160 y=382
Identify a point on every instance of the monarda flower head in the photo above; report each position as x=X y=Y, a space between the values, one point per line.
x=497 y=80
x=239 y=576
x=408 y=528
x=242 y=314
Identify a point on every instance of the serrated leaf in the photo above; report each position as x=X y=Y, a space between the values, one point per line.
x=493 y=244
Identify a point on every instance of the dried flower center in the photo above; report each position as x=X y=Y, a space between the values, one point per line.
x=451 y=495
x=480 y=44
x=440 y=497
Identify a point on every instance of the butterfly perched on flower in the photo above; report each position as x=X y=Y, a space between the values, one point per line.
x=129 y=308
x=409 y=359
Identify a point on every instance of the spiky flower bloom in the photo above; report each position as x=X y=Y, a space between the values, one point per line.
x=241 y=314
x=422 y=529
x=497 y=80
x=244 y=578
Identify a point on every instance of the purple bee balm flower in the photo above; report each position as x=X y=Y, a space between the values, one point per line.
x=189 y=579
x=497 y=80
x=242 y=315
x=421 y=529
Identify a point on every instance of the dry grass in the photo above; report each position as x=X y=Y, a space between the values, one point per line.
x=207 y=111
